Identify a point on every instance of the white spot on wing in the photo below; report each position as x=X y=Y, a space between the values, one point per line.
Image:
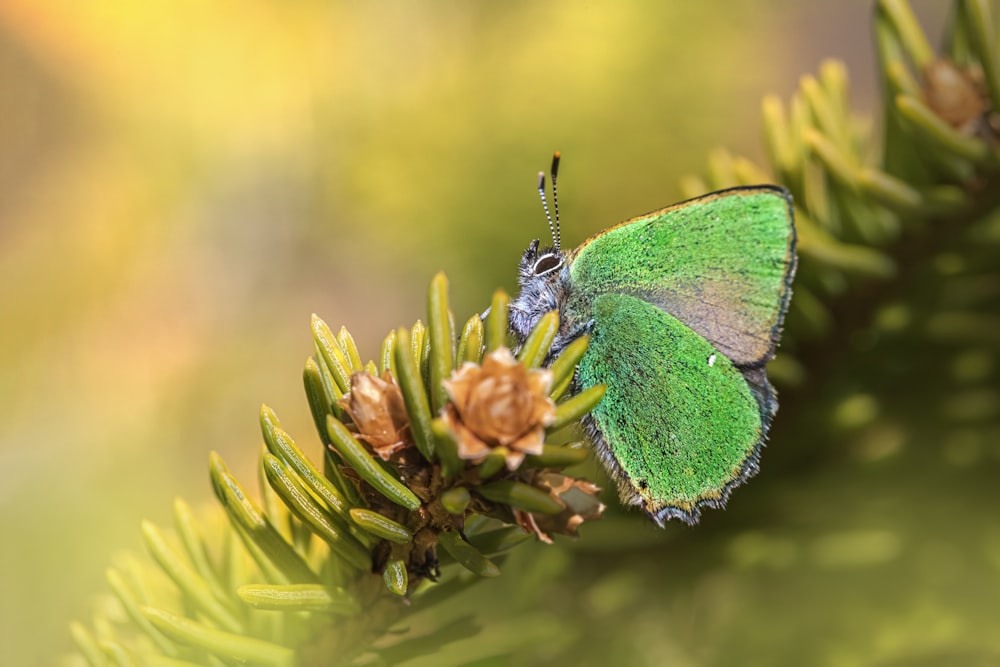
x=711 y=359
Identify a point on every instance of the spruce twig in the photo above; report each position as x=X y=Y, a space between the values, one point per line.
x=331 y=559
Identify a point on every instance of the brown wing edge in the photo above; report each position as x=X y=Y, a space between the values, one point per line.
x=785 y=298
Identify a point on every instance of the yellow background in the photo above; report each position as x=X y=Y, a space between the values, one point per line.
x=182 y=183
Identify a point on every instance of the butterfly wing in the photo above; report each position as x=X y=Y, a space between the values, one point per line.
x=685 y=306
x=722 y=264
x=679 y=425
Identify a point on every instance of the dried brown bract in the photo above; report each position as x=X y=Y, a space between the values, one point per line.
x=578 y=496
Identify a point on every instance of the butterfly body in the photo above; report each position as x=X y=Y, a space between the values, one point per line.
x=684 y=307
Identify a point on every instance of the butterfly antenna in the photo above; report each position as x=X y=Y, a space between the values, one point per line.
x=545 y=205
x=555 y=200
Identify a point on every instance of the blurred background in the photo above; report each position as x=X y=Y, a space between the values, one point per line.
x=182 y=183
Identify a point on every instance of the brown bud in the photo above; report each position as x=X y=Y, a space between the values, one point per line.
x=499 y=404
x=376 y=407
x=955 y=94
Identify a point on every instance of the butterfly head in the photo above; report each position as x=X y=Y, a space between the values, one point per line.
x=539 y=263
x=540 y=273
x=541 y=279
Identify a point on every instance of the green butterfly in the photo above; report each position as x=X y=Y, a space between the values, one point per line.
x=683 y=307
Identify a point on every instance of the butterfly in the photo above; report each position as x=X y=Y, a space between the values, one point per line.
x=684 y=307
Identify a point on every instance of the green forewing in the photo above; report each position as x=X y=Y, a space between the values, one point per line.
x=721 y=264
x=678 y=424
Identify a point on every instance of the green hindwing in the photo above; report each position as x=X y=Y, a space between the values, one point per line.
x=679 y=426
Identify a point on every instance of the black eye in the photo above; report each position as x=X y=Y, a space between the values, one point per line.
x=547 y=263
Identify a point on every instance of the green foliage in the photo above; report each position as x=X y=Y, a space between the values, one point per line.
x=891 y=346
x=864 y=213
x=326 y=556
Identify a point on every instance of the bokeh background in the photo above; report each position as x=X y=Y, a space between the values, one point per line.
x=182 y=183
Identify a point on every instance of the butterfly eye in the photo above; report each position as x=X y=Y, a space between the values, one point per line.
x=546 y=264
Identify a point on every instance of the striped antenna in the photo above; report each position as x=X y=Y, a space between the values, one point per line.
x=555 y=200
x=554 y=228
x=545 y=205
